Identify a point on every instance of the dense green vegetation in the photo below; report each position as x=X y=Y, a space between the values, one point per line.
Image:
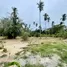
x=49 y=49
x=11 y=64
x=12 y=26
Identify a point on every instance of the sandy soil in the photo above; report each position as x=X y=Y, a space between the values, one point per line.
x=13 y=46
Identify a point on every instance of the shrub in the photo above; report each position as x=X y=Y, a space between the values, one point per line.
x=11 y=27
x=38 y=65
x=37 y=34
x=4 y=50
x=4 y=55
x=65 y=35
x=62 y=34
x=25 y=36
x=11 y=64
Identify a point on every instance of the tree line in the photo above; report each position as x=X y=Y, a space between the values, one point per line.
x=13 y=26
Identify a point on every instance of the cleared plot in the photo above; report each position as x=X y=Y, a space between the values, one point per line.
x=52 y=50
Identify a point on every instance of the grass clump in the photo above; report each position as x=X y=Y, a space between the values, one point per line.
x=11 y=64
x=4 y=55
x=25 y=36
x=18 y=53
x=4 y=50
x=29 y=65
x=1 y=47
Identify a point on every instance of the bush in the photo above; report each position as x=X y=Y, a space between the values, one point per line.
x=37 y=34
x=65 y=35
x=4 y=50
x=62 y=34
x=11 y=64
x=29 y=65
x=25 y=36
x=11 y=27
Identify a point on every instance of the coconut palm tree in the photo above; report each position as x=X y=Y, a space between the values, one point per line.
x=14 y=15
x=40 y=6
x=29 y=26
x=45 y=16
x=48 y=19
x=52 y=25
x=61 y=22
x=36 y=25
x=14 y=18
x=33 y=23
x=63 y=17
x=45 y=19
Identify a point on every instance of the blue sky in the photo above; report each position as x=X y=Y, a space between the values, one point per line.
x=28 y=11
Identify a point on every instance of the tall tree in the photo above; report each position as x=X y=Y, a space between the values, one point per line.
x=14 y=15
x=34 y=23
x=61 y=22
x=12 y=26
x=14 y=18
x=45 y=19
x=48 y=19
x=63 y=17
x=52 y=23
x=52 y=26
x=40 y=6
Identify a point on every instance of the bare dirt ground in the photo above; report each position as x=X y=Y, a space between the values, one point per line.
x=13 y=46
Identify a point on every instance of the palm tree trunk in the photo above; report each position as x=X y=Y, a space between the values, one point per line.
x=49 y=29
x=40 y=22
x=45 y=28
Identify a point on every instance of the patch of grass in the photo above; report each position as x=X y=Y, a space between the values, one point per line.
x=25 y=36
x=4 y=55
x=1 y=48
x=60 y=65
x=48 y=49
x=29 y=65
x=3 y=63
x=18 y=53
x=24 y=57
x=11 y=64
